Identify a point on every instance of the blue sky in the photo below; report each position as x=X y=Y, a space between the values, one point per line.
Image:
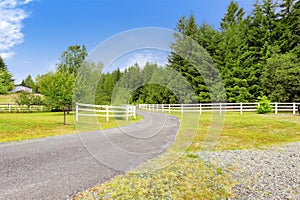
x=34 y=33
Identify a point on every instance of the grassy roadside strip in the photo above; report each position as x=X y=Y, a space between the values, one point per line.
x=186 y=178
x=24 y=126
x=182 y=175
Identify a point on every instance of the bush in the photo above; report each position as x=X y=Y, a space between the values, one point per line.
x=28 y=99
x=264 y=105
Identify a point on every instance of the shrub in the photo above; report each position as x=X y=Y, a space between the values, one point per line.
x=264 y=105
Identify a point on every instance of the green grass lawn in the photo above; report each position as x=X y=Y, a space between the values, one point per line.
x=181 y=174
x=250 y=130
x=24 y=126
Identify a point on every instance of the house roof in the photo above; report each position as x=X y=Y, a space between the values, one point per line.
x=21 y=88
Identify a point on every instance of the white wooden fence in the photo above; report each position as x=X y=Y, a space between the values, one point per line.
x=218 y=107
x=19 y=108
x=107 y=111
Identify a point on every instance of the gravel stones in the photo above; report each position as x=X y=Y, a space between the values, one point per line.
x=261 y=174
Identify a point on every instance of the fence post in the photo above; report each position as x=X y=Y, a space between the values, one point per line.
x=200 y=105
x=294 y=108
x=162 y=108
x=181 y=108
x=134 y=112
x=76 y=112
x=241 y=108
x=9 y=107
x=107 y=113
x=276 y=108
x=220 y=108
x=169 y=108
x=127 y=112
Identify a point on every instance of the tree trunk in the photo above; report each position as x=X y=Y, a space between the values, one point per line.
x=65 y=117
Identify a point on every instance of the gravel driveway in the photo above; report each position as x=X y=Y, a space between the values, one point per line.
x=59 y=167
x=262 y=174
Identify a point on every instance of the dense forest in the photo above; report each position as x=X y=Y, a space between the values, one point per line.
x=257 y=55
x=254 y=55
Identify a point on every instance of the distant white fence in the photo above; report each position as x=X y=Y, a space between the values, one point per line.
x=107 y=111
x=18 y=108
x=218 y=107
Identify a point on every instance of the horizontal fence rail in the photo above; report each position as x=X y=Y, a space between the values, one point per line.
x=218 y=107
x=18 y=108
x=107 y=111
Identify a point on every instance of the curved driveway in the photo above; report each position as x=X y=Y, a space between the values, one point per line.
x=59 y=167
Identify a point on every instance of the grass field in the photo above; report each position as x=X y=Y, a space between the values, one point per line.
x=184 y=175
x=24 y=126
x=7 y=99
x=249 y=130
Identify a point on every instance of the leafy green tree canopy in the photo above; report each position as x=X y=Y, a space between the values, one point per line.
x=57 y=88
x=72 y=59
x=28 y=99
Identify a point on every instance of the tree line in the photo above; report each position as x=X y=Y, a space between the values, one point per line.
x=255 y=55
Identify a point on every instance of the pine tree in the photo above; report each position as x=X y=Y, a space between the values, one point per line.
x=186 y=47
x=2 y=65
x=281 y=78
x=208 y=38
x=6 y=81
x=29 y=82
x=232 y=56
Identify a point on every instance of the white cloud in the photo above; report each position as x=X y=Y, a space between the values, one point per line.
x=12 y=13
x=6 y=55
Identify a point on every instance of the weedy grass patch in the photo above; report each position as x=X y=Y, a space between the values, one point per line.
x=186 y=178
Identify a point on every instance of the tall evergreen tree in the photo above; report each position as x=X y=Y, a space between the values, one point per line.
x=231 y=55
x=281 y=78
x=6 y=81
x=208 y=38
x=29 y=82
x=189 y=28
x=2 y=64
x=289 y=21
x=233 y=16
